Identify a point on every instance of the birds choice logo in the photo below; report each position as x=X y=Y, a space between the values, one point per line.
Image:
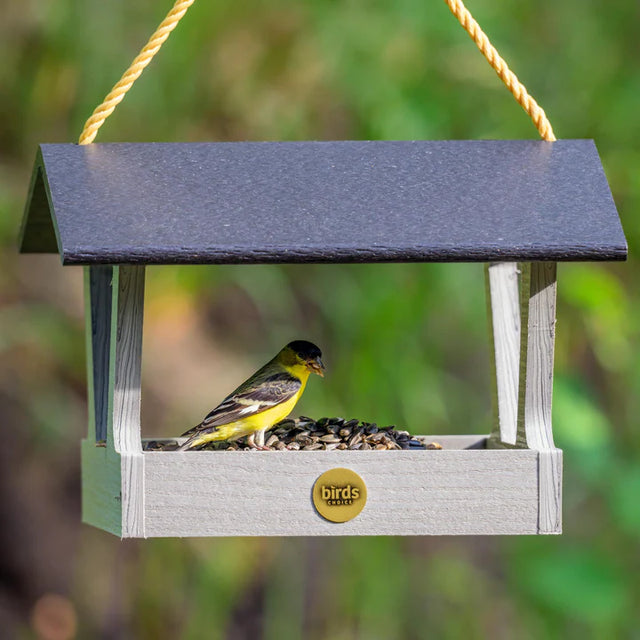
x=339 y=495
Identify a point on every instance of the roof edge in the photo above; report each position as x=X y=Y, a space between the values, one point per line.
x=39 y=231
x=335 y=254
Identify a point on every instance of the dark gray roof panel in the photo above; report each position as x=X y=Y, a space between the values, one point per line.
x=258 y=202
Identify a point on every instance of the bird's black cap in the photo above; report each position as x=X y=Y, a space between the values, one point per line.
x=305 y=349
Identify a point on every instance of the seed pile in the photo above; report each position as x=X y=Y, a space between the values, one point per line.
x=326 y=434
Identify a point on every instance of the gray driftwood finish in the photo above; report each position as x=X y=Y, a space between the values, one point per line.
x=119 y=207
x=113 y=470
x=510 y=484
x=449 y=492
x=522 y=324
x=98 y=334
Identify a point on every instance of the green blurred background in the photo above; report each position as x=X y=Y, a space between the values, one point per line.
x=404 y=344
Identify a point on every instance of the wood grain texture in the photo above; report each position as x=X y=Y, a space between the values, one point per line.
x=124 y=391
x=268 y=493
x=550 y=491
x=504 y=333
x=126 y=356
x=98 y=298
x=538 y=319
x=347 y=201
x=89 y=357
x=101 y=488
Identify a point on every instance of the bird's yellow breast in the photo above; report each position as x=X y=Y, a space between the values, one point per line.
x=264 y=419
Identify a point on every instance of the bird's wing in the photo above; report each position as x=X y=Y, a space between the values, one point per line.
x=259 y=393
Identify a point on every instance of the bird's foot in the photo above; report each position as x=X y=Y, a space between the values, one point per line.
x=258 y=447
x=256 y=441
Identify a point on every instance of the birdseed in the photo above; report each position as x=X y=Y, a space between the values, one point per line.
x=325 y=434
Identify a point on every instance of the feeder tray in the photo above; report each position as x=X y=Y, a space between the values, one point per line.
x=519 y=206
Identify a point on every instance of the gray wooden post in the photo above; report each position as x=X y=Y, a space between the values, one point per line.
x=503 y=298
x=98 y=330
x=124 y=392
x=113 y=485
x=538 y=322
x=522 y=319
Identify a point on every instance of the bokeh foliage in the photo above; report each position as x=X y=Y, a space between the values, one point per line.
x=405 y=344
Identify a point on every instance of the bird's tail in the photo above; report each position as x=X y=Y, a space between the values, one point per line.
x=213 y=434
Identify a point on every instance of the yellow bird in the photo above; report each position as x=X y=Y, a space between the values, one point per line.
x=267 y=397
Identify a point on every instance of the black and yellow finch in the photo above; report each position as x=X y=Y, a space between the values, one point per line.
x=267 y=397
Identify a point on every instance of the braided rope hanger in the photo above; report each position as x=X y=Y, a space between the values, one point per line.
x=115 y=96
x=518 y=90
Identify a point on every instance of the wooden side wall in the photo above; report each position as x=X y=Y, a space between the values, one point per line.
x=464 y=492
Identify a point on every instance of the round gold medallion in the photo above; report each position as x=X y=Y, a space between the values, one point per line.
x=339 y=495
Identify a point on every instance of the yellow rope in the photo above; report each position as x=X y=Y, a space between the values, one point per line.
x=535 y=111
x=105 y=109
x=115 y=96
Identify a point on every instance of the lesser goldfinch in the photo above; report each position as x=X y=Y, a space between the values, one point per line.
x=267 y=397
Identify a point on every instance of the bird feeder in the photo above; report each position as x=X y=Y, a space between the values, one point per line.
x=518 y=206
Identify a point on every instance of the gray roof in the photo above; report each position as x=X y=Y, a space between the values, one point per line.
x=287 y=202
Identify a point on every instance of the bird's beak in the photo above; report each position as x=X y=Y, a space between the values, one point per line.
x=317 y=367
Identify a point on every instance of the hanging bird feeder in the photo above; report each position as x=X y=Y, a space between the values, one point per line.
x=518 y=206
